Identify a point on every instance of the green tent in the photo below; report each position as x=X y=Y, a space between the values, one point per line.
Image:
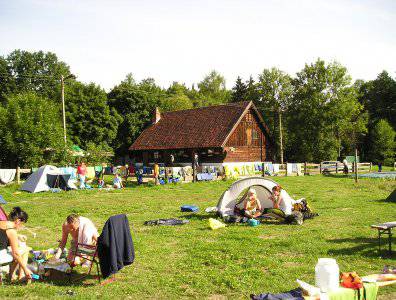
x=77 y=151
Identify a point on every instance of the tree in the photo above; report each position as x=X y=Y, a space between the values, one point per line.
x=322 y=111
x=88 y=116
x=212 y=90
x=97 y=154
x=383 y=143
x=239 y=91
x=40 y=72
x=275 y=90
x=176 y=99
x=135 y=103
x=379 y=98
x=30 y=131
x=252 y=93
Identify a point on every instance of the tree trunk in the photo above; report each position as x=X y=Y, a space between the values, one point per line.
x=280 y=136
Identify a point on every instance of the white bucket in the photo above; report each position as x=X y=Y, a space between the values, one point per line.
x=327 y=274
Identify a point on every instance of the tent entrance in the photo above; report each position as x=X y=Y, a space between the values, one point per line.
x=59 y=181
x=263 y=195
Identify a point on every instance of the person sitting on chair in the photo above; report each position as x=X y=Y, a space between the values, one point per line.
x=82 y=231
x=251 y=206
x=14 y=253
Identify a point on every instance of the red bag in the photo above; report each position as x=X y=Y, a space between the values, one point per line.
x=351 y=280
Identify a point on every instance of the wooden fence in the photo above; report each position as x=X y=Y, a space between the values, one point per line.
x=306 y=169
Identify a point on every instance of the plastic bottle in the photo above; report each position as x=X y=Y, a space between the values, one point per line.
x=327 y=274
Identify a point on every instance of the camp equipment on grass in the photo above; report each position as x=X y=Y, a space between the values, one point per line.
x=263 y=187
x=45 y=178
x=189 y=208
x=215 y=224
x=253 y=222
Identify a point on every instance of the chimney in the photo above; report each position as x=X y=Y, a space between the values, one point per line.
x=156 y=116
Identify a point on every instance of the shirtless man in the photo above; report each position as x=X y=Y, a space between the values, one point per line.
x=82 y=231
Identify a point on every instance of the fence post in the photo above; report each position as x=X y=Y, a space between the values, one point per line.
x=18 y=175
x=371 y=166
x=305 y=168
x=320 y=168
x=337 y=167
x=285 y=165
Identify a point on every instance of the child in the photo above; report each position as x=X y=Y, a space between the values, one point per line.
x=252 y=206
x=117 y=182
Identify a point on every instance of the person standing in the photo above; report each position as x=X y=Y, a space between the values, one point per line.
x=156 y=173
x=345 y=163
x=82 y=173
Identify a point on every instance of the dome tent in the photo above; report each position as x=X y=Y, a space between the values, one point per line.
x=263 y=187
x=46 y=177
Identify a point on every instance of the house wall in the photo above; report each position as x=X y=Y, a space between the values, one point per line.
x=244 y=144
x=212 y=155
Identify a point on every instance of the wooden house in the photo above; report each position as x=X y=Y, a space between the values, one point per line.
x=234 y=132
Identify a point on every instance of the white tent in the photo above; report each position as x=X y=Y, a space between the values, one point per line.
x=37 y=182
x=263 y=187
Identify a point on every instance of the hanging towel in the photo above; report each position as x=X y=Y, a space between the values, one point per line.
x=90 y=172
x=299 y=168
x=7 y=175
x=276 y=168
x=289 y=169
x=294 y=168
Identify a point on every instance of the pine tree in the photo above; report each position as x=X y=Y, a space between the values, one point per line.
x=239 y=91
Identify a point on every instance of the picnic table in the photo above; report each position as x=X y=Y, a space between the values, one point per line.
x=385 y=229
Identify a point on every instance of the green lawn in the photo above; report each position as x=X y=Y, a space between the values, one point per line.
x=193 y=261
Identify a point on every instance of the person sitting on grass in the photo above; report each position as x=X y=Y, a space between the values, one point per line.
x=82 y=231
x=15 y=254
x=279 y=208
x=117 y=182
x=251 y=206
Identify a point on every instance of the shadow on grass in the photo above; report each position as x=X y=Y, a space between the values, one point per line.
x=364 y=247
x=75 y=279
x=197 y=217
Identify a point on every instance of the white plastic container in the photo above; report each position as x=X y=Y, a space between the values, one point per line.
x=327 y=274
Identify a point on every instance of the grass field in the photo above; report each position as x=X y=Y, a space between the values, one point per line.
x=192 y=261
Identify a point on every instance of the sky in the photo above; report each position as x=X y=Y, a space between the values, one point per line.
x=182 y=40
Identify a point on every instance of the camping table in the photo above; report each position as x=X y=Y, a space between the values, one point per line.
x=385 y=228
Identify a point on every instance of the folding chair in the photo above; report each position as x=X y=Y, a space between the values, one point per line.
x=89 y=253
x=118 y=225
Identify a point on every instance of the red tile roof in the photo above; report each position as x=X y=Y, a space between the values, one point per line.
x=193 y=128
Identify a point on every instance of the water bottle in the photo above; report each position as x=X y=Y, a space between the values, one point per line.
x=327 y=274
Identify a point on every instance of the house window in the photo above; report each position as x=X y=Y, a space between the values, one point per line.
x=255 y=134
x=156 y=155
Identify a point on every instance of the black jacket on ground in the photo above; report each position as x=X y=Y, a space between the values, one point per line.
x=115 y=246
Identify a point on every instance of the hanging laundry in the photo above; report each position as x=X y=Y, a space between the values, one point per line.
x=289 y=168
x=7 y=175
x=90 y=173
x=276 y=168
